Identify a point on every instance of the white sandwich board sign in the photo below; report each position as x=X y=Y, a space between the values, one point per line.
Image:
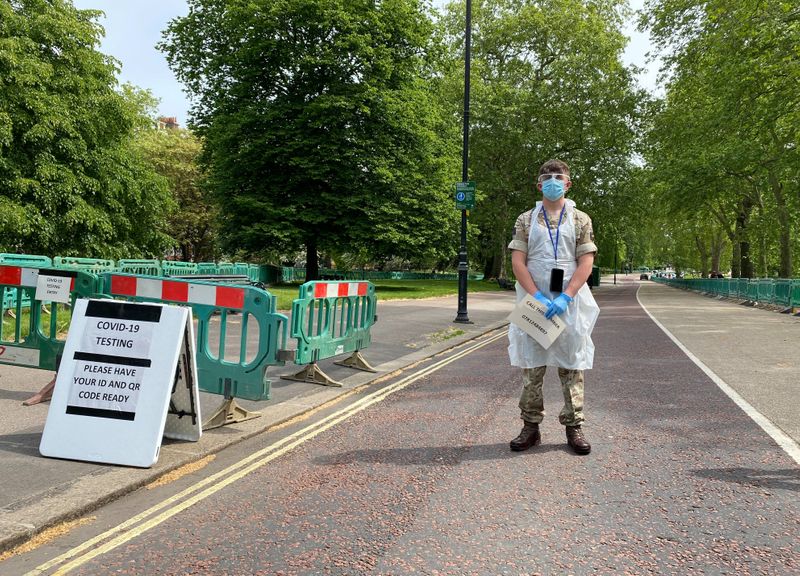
x=127 y=378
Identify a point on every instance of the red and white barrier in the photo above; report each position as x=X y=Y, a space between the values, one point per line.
x=28 y=277
x=338 y=289
x=178 y=291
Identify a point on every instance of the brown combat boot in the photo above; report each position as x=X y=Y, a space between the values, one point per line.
x=576 y=440
x=529 y=436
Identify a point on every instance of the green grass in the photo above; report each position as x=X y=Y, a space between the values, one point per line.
x=62 y=324
x=393 y=290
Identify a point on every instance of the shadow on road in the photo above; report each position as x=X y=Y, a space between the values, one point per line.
x=436 y=455
x=788 y=479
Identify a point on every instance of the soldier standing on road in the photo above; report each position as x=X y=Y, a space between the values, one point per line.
x=552 y=256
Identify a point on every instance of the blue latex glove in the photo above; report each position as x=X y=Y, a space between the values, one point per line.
x=558 y=305
x=542 y=298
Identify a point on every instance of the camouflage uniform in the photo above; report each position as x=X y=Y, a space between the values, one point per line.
x=531 y=402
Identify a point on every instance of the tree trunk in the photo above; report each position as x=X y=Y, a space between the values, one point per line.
x=717 y=246
x=503 y=273
x=312 y=263
x=742 y=221
x=701 y=247
x=785 y=270
x=492 y=267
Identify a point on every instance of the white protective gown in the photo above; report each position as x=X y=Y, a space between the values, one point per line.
x=574 y=348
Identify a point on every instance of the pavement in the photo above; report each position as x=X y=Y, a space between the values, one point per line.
x=750 y=353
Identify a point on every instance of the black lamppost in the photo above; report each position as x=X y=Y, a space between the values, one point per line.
x=463 y=268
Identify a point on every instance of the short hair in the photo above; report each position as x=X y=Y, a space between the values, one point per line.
x=554 y=167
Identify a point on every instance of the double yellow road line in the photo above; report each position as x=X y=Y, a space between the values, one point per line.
x=155 y=515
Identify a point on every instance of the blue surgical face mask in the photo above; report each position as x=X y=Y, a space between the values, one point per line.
x=553 y=189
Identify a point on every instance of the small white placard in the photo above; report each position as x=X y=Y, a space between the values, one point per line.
x=529 y=316
x=52 y=288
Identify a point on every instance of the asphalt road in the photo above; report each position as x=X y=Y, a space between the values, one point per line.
x=417 y=478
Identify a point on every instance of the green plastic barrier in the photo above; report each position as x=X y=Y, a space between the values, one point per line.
x=26 y=260
x=777 y=291
x=783 y=292
x=178 y=268
x=33 y=340
x=766 y=290
x=329 y=319
x=206 y=267
x=795 y=301
x=136 y=266
x=225 y=268
x=93 y=265
x=292 y=274
x=254 y=316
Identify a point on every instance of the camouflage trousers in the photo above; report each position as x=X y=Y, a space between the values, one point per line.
x=531 y=403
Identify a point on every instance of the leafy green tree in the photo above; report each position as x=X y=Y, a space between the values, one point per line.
x=70 y=181
x=547 y=82
x=319 y=124
x=175 y=155
x=731 y=117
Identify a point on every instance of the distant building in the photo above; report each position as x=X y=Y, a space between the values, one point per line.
x=168 y=123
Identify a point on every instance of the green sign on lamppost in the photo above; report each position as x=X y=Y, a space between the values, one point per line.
x=465 y=195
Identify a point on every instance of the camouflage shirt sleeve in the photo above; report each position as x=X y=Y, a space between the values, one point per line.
x=519 y=236
x=584 y=233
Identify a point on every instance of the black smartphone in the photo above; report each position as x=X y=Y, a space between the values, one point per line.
x=556 y=280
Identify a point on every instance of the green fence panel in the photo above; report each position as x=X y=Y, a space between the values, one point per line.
x=240 y=315
x=267 y=273
x=178 y=268
x=135 y=266
x=752 y=290
x=26 y=260
x=225 y=268
x=206 y=267
x=292 y=274
x=742 y=286
x=332 y=318
x=783 y=292
x=766 y=290
x=32 y=338
x=254 y=273
x=795 y=300
x=92 y=265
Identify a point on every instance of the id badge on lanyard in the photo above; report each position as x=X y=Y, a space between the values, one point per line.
x=556 y=274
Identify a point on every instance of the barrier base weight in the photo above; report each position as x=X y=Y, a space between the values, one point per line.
x=229 y=413
x=313 y=375
x=356 y=361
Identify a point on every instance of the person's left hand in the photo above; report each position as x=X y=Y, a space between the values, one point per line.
x=558 y=306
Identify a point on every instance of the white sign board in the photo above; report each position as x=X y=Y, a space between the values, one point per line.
x=528 y=314
x=125 y=365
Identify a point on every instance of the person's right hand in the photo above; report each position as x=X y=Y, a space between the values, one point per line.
x=542 y=298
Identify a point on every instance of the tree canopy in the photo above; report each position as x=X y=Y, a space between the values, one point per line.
x=319 y=124
x=724 y=141
x=547 y=82
x=70 y=181
x=174 y=153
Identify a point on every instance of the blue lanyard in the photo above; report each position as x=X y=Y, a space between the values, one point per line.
x=558 y=229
